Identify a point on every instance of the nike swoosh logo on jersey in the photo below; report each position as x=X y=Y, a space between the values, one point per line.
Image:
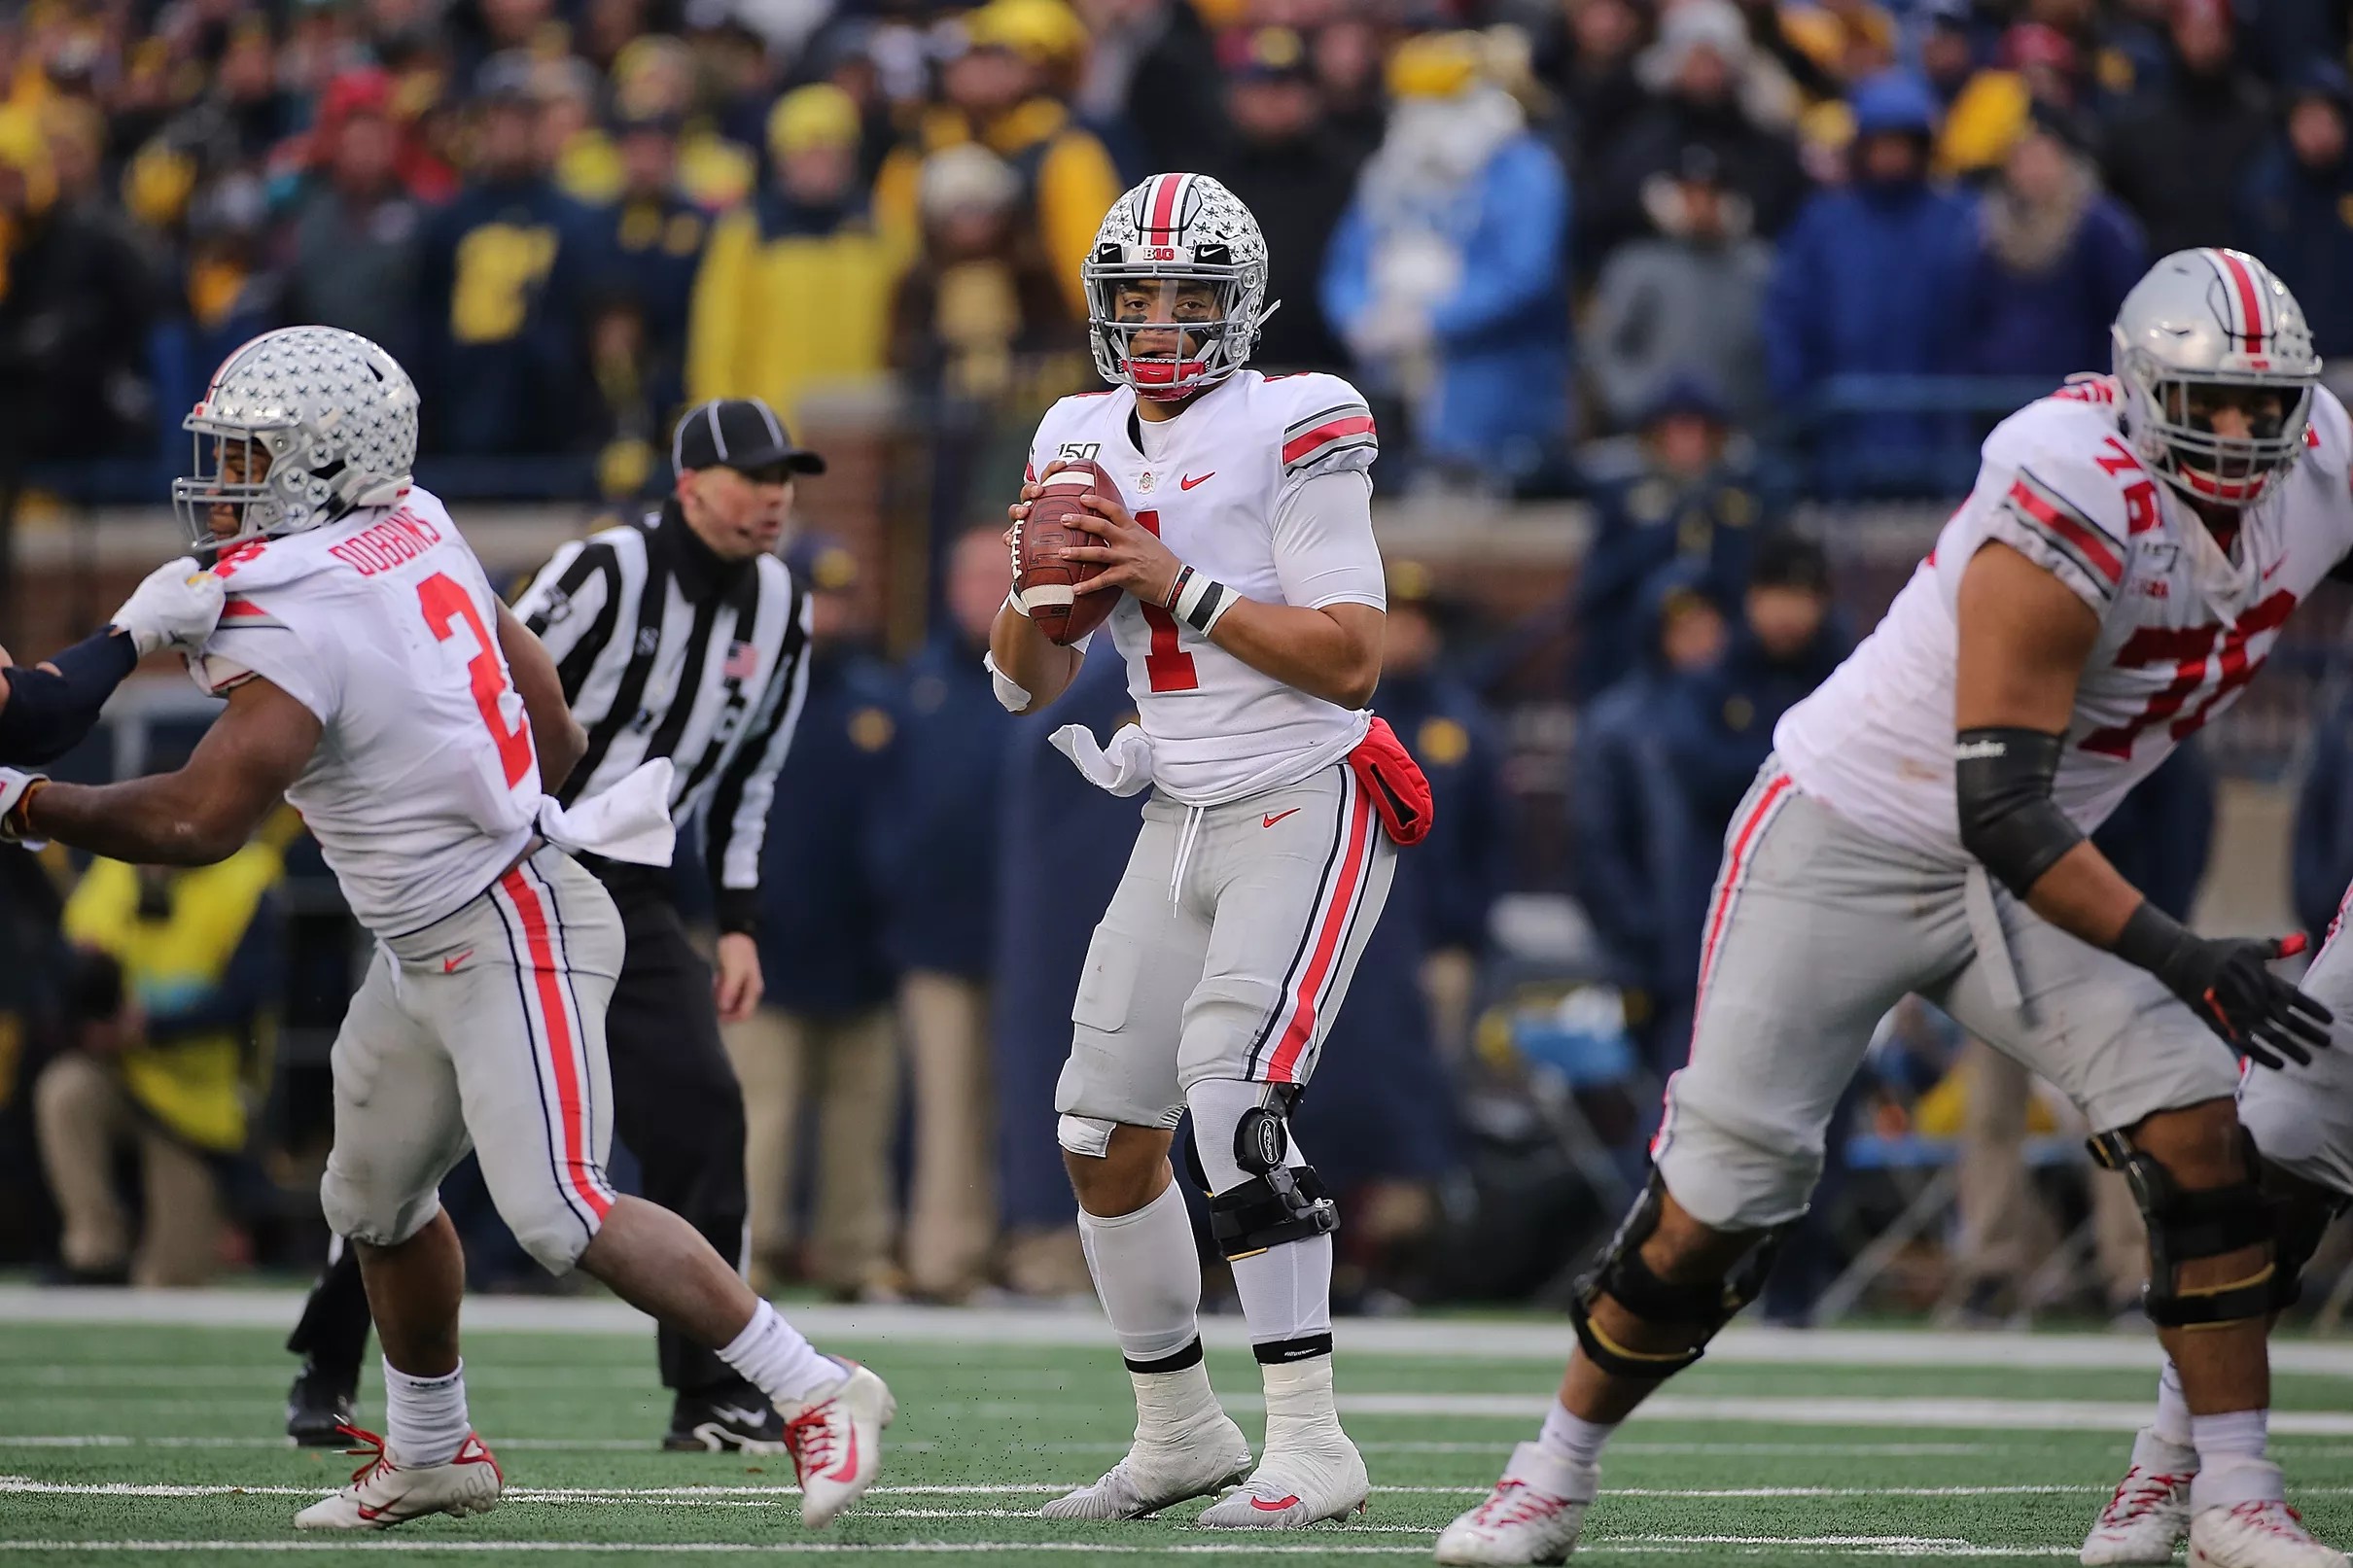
x=1188 y=481
x=2272 y=570
x=1269 y=821
x=449 y=966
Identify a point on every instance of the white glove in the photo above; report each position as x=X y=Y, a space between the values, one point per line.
x=176 y=607
x=1125 y=769
x=14 y=783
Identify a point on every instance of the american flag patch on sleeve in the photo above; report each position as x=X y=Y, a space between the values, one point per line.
x=741 y=662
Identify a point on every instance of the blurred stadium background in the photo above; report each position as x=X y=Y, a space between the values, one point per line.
x=1682 y=321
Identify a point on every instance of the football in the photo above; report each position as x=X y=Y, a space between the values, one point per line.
x=1047 y=583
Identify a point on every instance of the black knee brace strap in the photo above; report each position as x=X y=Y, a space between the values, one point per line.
x=2189 y=1224
x=2303 y=1213
x=1288 y=1204
x=1623 y=1278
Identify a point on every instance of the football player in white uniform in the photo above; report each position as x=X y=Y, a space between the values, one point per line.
x=1250 y=619
x=2115 y=579
x=376 y=681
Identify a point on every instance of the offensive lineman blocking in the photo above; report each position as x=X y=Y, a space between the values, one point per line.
x=376 y=681
x=2124 y=565
x=1251 y=627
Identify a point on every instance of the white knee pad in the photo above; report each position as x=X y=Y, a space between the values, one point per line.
x=1088 y=1136
x=377 y=1219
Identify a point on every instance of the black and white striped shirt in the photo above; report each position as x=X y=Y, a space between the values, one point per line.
x=666 y=650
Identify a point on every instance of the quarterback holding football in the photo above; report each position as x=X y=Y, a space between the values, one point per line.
x=1220 y=520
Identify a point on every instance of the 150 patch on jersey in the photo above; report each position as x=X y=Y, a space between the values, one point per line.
x=1079 y=451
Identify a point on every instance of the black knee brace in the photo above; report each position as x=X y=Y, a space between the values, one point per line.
x=2187 y=1224
x=1623 y=1278
x=1288 y=1204
x=2301 y=1213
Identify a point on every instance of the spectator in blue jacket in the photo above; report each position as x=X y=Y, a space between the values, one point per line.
x=653 y=246
x=1693 y=501
x=1448 y=887
x=508 y=266
x=2054 y=257
x=1448 y=275
x=2321 y=865
x=1632 y=846
x=821 y=1048
x=1063 y=846
x=2296 y=206
x=1717 y=723
x=1865 y=283
x=941 y=854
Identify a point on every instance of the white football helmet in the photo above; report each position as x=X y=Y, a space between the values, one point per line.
x=2200 y=321
x=334 y=420
x=1183 y=228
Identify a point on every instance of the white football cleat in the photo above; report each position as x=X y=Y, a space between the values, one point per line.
x=1532 y=1517
x=835 y=1439
x=1200 y=1462
x=384 y=1493
x=1302 y=1484
x=2261 y=1534
x=2149 y=1513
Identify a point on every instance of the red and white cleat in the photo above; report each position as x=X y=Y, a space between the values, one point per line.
x=1532 y=1517
x=2263 y=1534
x=384 y=1493
x=835 y=1439
x=1308 y=1479
x=2149 y=1513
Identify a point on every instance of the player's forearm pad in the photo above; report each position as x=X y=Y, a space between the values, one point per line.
x=48 y=714
x=2002 y=778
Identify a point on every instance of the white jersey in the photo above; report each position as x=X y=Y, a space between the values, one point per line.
x=2183 y=626
x=1226 y=485
x=424 y=785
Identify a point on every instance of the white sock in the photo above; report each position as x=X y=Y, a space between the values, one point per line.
x=425 y=1419
x=2230 y=1437
x=1285 y=1290
x=2172 y=1422
x=1149 y=1277
x=1572 y=1437
x=1299 y=1401
x=2231 y=1468
x=776 y=1360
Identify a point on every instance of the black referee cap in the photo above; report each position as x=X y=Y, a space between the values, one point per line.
x=742 y=433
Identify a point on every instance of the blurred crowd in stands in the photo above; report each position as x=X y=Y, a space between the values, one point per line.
x=1690 y=259
x=1517 y=222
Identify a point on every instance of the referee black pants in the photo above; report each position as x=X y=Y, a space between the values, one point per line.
x=676 y=1104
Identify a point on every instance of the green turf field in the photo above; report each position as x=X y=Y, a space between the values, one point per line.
x=138 y=1443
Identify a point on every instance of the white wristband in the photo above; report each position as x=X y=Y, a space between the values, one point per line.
x=1202 y=601
x=1013 y=603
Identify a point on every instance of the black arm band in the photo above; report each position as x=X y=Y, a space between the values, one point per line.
x=47 y=714
x=738 y=911
x=2009 y=821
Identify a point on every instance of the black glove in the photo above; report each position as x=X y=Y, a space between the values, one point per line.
x=2228 y=984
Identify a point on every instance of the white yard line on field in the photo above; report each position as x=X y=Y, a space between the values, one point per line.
x=1825 y=1546
x=1064 y=1328
x=754 y=1496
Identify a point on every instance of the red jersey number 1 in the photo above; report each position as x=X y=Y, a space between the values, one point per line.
x=1165 y=666
x=445 y=605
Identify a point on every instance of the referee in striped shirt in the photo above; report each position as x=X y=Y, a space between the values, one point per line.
x=686 y=637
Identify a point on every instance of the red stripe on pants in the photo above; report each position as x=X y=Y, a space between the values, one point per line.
x=569 y=1091
x=1735 y=866
x=1301 y=1026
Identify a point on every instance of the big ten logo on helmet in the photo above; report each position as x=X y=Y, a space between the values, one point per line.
x=396 y=539
x=1078 y=451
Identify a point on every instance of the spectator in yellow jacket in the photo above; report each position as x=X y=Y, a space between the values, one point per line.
x=1002 y=92
x=795 y=288
x=179 y=975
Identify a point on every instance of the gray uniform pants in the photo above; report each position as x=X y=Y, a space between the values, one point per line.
x=1816 y=928
x=2303 y=1117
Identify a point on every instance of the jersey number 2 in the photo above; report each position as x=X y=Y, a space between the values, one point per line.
x=445 y=605
x=1165 y=666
